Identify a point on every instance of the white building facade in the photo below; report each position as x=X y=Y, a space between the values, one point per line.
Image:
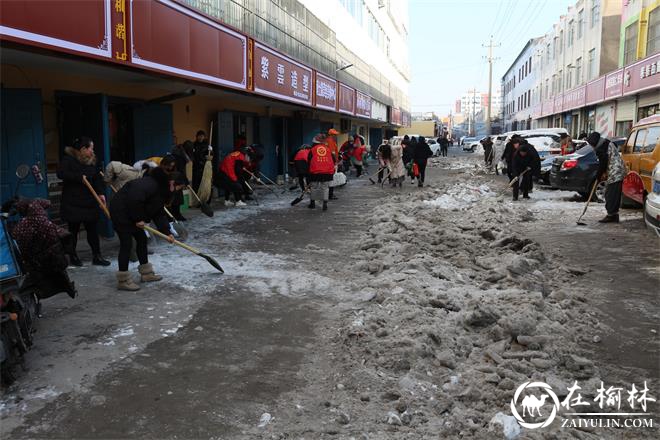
x=518 y=87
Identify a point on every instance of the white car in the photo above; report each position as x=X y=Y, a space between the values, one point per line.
x=652 y=204
x=434 y=145
x=470 y=143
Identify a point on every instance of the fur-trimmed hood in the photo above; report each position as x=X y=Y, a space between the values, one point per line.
x=70 y=151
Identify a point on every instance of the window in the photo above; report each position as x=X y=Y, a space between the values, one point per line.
x=651 y=139
x=560 y=80
x=595 y=13
x=530 y=62
x=630 y=44
x=592 y=64
x=569 y=78
x=547 y=53
x=571 y=33
x=639 y=141
x=547 y=88
x=653 y=39
x=561 y=41
x=578 y=71
x=580 y=26
x=555 y=48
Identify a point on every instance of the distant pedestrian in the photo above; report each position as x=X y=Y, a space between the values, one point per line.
x=301 y=165
x=321 y=171
x=77 y=205
x=199 y=153
x=487 y=144
x=396 y=166
x=583 y=136
x=444 y=145
x=334 y=150
x=525 y=164
x=383 y=155
x=507 y=156
x=359 y=152
x=612 y=170
x=421 y=156
x=566 y=143
x=230 y=175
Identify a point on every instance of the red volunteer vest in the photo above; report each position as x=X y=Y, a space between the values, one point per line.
x=302 y=154
x=321 y=161
x=228 y=164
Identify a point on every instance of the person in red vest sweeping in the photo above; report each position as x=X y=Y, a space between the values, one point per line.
x=231 y=171
x=321 y=171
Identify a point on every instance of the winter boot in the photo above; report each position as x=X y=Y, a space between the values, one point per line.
x=312 y=205
x=75 y=261
x=325 y=206
x=147 y=273
x=610 y=219
x=241 y=203
x=99 y=261
x=125 y=282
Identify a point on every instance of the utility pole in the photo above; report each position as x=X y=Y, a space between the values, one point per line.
x=490 y=82
x=474 y=111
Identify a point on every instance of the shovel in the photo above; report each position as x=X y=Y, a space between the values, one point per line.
x=371 y=177
x=298 y=199
x=591 y=195
x=517 y=178
x=206 y=209
x=385 y=177
x=261 y=182
x=179 y=230
x=256 y=199
x=153 y=231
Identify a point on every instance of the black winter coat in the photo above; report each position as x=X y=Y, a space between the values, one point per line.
x=77 y=203
x=509 y=151
x=422 y=153
x=142 y=200
x=531 y=160
x=408 y=152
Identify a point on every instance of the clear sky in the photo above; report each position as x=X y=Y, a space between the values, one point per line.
x=446 y=37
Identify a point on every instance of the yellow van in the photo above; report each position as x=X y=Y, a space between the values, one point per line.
x=640 y=153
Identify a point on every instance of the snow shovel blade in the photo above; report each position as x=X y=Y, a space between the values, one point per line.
x=298 y=199
x=212 y=262
x=206 y=209
x=181 y=232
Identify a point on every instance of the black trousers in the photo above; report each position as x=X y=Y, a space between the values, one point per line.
x=302 y=181
x=92 y=235
x=443 y=151
x=358 y=170
x=381 y=173
x=524 y=185
x=175 y=205
x=613 y=197
x=125 y=244
x=422 y=172
x=229 y=187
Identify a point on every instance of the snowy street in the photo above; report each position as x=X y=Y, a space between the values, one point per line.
x=412 y=313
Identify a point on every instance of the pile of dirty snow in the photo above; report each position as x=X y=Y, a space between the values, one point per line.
x=460 y=196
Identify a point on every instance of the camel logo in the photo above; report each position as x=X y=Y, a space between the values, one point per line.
x=532 y=404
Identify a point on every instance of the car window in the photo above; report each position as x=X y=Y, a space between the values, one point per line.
x=651 y=139
x=430 y=141
x=628 y=146
x=585 y=150
x=639 y=141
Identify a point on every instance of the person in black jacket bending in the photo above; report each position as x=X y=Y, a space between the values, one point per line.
x=421 y=156
x=525 y=164
x=78 y=206
x=137 y=203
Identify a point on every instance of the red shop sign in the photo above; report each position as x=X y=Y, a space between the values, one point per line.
x=548 y=106
x=642 y=75
x=67 y=25
x=575 y=98
x=362 y=104
x=614 y=84
x=596 y=91
x=281 y=77
x=346 y=99
x=558 y=104
x=171 y=38
x=326 y=92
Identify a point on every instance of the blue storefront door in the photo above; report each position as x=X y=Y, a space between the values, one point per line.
x=153 y=130
x=22 y=139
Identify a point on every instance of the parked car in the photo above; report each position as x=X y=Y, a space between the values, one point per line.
x=652 y=205
x=577 y=172
x=434 y=145
x=470 y=143
x=619 y=142
x=641 y=153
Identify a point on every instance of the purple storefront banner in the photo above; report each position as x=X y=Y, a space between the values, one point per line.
x=595 y=91
x=575 y=98
x=643 y=75
x=614 y=84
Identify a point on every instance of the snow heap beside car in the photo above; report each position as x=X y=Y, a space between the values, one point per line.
x=464 y=310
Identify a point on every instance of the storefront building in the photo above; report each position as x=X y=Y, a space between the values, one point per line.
x=111 y=70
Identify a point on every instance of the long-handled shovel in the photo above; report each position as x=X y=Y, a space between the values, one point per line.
x=206 y=209
x=371 y=176
x=181 y=231
x=385 y=177
x=253 y=192
x=591 y=195
x=517 y=178
x=153 y=231
x=260 y=181
x=298 y=199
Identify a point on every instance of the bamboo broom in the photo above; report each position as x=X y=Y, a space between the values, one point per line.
x=205 y=186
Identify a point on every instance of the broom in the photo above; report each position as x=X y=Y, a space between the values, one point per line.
x=259 y=181
x=204 y=191
x=153 y=231
x=591 y=195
